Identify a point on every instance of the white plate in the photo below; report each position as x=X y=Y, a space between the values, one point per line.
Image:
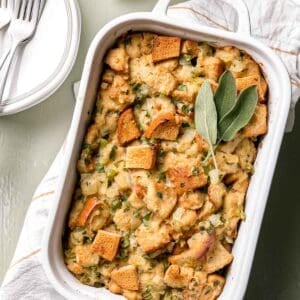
x=46 y=61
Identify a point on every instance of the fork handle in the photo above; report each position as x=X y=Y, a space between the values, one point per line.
x=4 y=57
x=5 y=70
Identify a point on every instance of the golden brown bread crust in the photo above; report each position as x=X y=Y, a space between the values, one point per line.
x=89 y=206
x=106 y=244
x=258 y=124
x=165 y=47
x=140 y=157
x=126 y=277
x=184 y=180
x=165 y=127
x=128 y=130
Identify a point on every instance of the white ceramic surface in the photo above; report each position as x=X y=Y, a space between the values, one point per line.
x=46 y=61
x=279 y=103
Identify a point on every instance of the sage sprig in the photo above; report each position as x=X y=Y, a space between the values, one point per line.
x=226 y=95
x=220 y=117
x=205 y=110
x=206 y=119
x=240 y=115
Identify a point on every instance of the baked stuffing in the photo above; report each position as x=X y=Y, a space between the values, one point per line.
x=147 y=220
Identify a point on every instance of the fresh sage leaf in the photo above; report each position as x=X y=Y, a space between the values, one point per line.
x=226 y=95
x=206 y=114
x=240 y=115
x=206 y=118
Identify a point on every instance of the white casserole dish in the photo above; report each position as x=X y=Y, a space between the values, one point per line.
x=279 y=104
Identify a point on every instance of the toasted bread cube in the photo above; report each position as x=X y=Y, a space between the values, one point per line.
x=140 y=157
x=165 y=47
x=106 y=244
x=216 y=194
x=192 y=200
x=152 y=236
x=184 y=180
x=227 y=53
x=186 y=92
x=118 y=59
x=162 y=82
x=233 y=211
x=178 y=277
x=120 y=91
x=89 y=206
x=202 y=145
x=190 y=47
x=75 y=268
x=213 y=67
x=165 y=127
x=258 y=124
x=228 y=163
x=160 y=199
x=126 y=277
x=108 y=76
x=85 y=257
x=217 y=258
x=183 y=219
x=199 y=244
x=241 y=182
x=196 y=286
x=113 y=287
x=168 y=65
x=244 y=82
x=128 y=130
x=213 y=287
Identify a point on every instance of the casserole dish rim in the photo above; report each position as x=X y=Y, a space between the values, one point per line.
x=277 y=133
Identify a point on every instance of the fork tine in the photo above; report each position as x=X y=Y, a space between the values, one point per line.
x=22 y=10
x=28 y=10
x=17 y=4
x=35 y=10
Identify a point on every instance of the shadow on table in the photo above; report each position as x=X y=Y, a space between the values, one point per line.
x=276 y=274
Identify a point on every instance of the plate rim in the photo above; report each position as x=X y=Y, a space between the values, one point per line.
x=58 y=77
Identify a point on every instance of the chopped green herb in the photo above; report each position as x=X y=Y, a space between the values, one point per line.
x=195 y=171
x=123 y=253
x=136 y=213
x=185 y=109
x=113 y=151
x=147 y=293
x=116 y=204
x=185 y=59
x=111 y=175
x=146 y=218
x=182 y=87
x=161 y=176
x=100 y=168
x=103 y=142
x=125 y=242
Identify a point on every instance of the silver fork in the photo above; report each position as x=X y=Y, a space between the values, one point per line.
x=5 y=12
x=21 y=29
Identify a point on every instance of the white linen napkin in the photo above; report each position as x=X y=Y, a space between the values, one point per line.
x=275 y=22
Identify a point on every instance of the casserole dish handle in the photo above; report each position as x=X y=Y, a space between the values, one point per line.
x=161 y=8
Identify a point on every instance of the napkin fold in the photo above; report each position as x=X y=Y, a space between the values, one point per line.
x=274 y=22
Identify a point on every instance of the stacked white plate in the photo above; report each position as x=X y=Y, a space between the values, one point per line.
x=46 y=61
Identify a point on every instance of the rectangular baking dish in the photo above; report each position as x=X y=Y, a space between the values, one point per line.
x=279 y=104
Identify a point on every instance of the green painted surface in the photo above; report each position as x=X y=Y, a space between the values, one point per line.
x=30 y=140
